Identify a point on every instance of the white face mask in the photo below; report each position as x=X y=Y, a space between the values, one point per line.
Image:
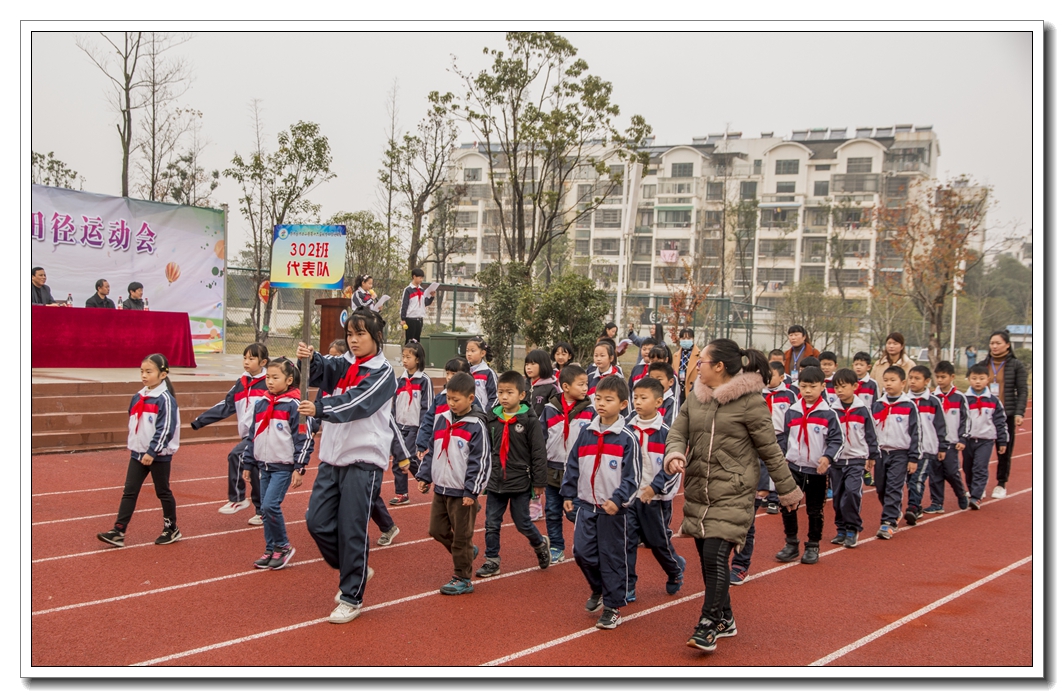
x=687 y=343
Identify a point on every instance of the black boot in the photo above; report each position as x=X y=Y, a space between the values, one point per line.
x=812 y=554
x=789 y=552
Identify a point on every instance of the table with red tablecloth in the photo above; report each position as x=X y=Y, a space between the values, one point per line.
x=105 y=338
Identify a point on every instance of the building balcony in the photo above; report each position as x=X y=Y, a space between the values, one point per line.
x=782 y=198
x=677 y=185
x=906 y=166
x=673 y=200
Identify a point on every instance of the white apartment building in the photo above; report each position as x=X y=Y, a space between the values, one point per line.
x=809 y=187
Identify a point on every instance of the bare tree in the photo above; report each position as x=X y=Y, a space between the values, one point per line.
x=184 y=180
x=165 y=79
x=386 y=188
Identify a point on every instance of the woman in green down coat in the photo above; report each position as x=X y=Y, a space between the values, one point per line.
x=721 y=431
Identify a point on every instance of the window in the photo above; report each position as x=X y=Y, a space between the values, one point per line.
x=583 y=192
x=855 y=183
x=608 y=218
x=709 y=275
x=617 y=172
x=643 y=246
x=607 y=246
x=786 y=167
x=711 y=220
x=783 y=276
x=776 y=248
x=465 y=296
x=459 y=270
x=644 y=218
x=823 y=168
x=821 y=188
x=850 y=278
x=784 y=187
x=858 y=165
x=465 y=245
x=641 y=274
x=676 y=188
x=711 y=247
x=669 y=275
x=650 y=191
x=757 y=167
x=471 y=174
x=852 y=217
x=491 y=217
x=674 y=219
x=815 y=273
x=682 y=169
x=682 y=245
x=888 y=278
x=854 y=249
x=582 y=248
x=779 y=218
x=816 y=217
x=604 y=272
x=715 y=191
x=583 y=221
x=747 y=190
x=465 y=219
x=489 y=244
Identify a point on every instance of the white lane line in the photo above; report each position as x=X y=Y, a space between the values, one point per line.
x=916 y=614
x=297 y=626
x=699 y=595
x=187 y=585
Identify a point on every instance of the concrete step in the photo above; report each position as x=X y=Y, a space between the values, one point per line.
x=97 y=438
x=127 y=389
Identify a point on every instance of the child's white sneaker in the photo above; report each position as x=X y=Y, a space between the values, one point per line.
x=998 y=493
x=345 y=613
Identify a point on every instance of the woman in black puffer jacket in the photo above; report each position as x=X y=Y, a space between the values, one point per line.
x=1010 y=376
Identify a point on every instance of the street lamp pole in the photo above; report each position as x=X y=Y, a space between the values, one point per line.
x=953 y=318
x=633 y=177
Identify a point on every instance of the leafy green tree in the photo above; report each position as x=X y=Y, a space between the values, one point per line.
x=52 y=172
x=502 y=287
x=569 y=309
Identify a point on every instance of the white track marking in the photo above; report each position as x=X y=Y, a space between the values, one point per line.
x=916 y=614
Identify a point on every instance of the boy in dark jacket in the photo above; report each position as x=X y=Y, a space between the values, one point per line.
x=518 y=466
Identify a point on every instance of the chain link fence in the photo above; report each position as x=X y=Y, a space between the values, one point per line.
x=282 y=320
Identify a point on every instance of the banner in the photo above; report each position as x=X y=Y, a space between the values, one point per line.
x=177 y=252
x=308 y=256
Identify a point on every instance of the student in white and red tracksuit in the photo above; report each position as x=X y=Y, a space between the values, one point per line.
x=859 y=451
x=415 y=302
x=240 y=400
x=601 y=477
x=154 y=428
x=604 y=363
x=986 y=424
x=650 y=514
x=955 y=409
x=933 y=444
x=642 y=366
x=867 y=389
x=812 y=441
x=278 y=450
x=357 y=391
x=562 y=419
x=664 y=374
x=897 y=422
x=413 y=399
x=479 y=354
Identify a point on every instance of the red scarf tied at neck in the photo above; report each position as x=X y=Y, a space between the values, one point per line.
x=271 y=402
x=504 y=445
x=803 y=428
x=351 y=378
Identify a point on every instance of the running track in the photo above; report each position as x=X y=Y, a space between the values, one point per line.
x=954 y=591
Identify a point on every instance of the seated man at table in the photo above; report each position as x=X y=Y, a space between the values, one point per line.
x=136 y=297
x=40 y=294
x=100 y=299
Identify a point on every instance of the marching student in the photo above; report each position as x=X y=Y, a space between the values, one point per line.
x=955 y=410
x=415 y=301
x=859 y=451
x=357 y=391
x=604 y=363
x=683 y=366
x=426 y=431
x=563 y=355
x=662 y=372
x=986 y=424
x=250 y=387
x=518 y=468
x=600 y=481
x=458 y=470
x=812 y=441
x=829 y=363
x=363 y=296
x=867 y=389
x=897 y=422
x=541 y=379
x=478 y=353
x=933 y=444
x=278 y=450
x=413 y=399
x=154 y=428
x=641 y=366
x=563 y=417
x=650 y=515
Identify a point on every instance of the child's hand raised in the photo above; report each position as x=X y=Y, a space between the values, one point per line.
x=304 y=351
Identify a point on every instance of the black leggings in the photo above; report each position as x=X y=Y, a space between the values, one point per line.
x=714 y=553
x=135 y=475
x=1004 y=461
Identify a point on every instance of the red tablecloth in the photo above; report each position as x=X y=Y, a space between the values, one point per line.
x=100 y=338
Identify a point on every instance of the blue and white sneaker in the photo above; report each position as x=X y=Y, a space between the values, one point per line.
x=827 y=497
x=737 y=577
x=672 y=586
x=556 y=556
x=851 y=540
x=935 y=509
x=457 y=586
x=630 y=596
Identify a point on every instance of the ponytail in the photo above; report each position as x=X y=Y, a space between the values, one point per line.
x=755 y=361
x=738 y=360
x=164 y=367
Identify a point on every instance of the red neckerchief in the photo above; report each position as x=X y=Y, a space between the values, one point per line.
x=566 y=409
x=885 y=413
x=247 y=386
x=271 y=402
x=351 y=378
x=646 y=369
x=417 y=291
x=504 y=445
x=803 y=428
x=595 y=467
x=138 y=410
x=768 y=401
x=643 y=433
x=407 y=387
x=845 y=416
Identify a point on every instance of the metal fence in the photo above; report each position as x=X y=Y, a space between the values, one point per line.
x=283 y=319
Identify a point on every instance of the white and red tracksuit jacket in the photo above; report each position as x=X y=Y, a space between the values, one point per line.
x=986 y=417
x=955 y=410
x=810 y=433
x=652 y=435
x=605 y=464
x=154 y=423
x=240 y=400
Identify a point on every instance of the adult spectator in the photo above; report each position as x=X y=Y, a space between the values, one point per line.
x=800 y=348
x=683 y=364
x=970 y=354
x=136 y=297
x=40 y=294
x=1008 y=381
x=100 y=299
x=718 y=436
x=893 y=355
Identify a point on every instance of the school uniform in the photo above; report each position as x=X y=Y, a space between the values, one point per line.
x=278 y=445
x=810 y=432
x=955 y=413
x=154 y=430
x=668 y=408
x=986 y=425
x=561 y=422
x=649 y=522
x=518 y=464
x=639 y=371
x=240 y=400
x=543 y=389
x=361 y=299
x=604 y=464
x=426 y=431
x=487 y=384
x=412 y=311
x=867 y=390
x=459 y=467
x=932 y=442
x=859 y=445
x=792 y=385
x=897 y=422
x=357 y=434
x=594 y=376
x=413 y=398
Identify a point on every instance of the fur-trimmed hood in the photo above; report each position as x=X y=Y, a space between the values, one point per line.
x=739 y=385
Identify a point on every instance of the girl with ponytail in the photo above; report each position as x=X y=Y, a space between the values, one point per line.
x=364 y=295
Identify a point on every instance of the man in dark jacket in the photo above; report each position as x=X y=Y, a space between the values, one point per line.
x=518 y=466
x=40 y=294
x=100 y=299
x=1008 y=382
x=136 y=297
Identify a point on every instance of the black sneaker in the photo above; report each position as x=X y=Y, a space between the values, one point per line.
x=264 y=561
x=169 y=535
x=543 y=554
x=490 y=568
x=594 y=603
x=704 y=637
x=812 y=554
x=280 y=557
x=113 y=537
x=839 y=539
x=911 y=516
x=973 y=504
x=773 y=508
x=609 y=619
x=789 y=552
x=726 y=628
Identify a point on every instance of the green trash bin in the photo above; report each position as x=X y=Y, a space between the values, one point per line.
x=444 y=346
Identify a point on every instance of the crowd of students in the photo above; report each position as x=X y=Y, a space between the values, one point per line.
x=587 y=443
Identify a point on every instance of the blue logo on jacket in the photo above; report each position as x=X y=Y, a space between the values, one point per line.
x=816 y=430
x=897 y=419
x=614 y=463
x=280 y=426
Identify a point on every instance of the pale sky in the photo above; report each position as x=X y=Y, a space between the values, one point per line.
x=974 y=88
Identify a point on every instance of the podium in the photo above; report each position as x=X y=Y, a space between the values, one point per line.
x=331 y=329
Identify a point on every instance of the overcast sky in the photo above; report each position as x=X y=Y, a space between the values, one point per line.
x=974 y=88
